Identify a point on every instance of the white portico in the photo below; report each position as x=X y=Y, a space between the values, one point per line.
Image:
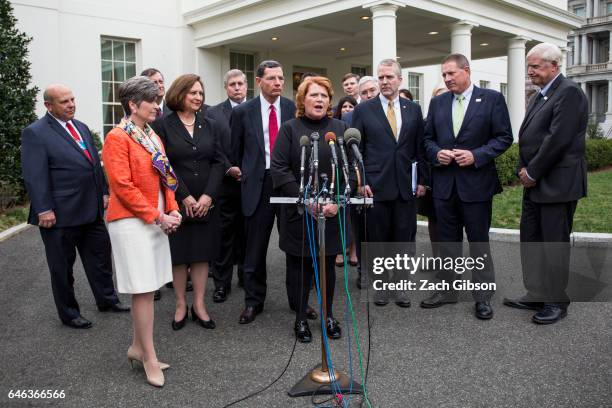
x=339 y=36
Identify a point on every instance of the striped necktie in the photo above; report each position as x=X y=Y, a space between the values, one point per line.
x=391 y=118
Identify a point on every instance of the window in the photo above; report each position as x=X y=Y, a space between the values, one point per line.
x=485 y=84
x=609 y=8
x=118 y=64
x=503 y=88
x=415 y=81
x=245 y=63
x=361 y=71
x=580 y=11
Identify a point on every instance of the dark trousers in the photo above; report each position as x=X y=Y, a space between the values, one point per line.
x=545 y=249
x=453 y=215
x=258 y=230
x=93 y=244
x=232 y=241
x=301 y=271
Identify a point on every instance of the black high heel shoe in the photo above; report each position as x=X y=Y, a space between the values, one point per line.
x=333 y=328
x=181 y=323
x=207 y=324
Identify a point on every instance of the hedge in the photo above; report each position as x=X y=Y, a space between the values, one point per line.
x=598 y=155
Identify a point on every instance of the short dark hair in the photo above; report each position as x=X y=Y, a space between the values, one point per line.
x=179 y=89
x=266 y=64
x=459 y=59
x=136 y=89
x=407 y=92
x=341 y=102
x=349 y=75
x=308 y=74
x=149 y=72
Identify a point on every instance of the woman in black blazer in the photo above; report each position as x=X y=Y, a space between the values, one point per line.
x=192 y=146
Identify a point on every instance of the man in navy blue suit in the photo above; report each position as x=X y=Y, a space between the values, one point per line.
x=467 y=128
x=391 y=134
x=68 y=194
x=254 y=127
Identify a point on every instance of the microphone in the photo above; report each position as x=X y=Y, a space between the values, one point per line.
x=345 y=162
x=353 y=138
x=330 y=139
x=314 y=140
x=304 y=141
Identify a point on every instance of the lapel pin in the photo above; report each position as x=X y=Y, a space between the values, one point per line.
x=478 y=100
x=546 y=98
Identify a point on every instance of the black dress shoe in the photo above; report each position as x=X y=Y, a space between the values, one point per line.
x=220 y=294
x=483 y=310
x=403 y=303
x=550 y=313
x=302 y=331
x=115 y=307
x=181 y=323
x=170 y=285
x=249 y=313
x=311 y=314
x=380 y=298
x=521 y=303
x=333 y=328
x=207 y=324
x=157 y=295
x=78 y=323
x=438 y=299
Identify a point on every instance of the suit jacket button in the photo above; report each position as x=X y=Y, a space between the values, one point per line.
x=195 y=174
x=195 y=148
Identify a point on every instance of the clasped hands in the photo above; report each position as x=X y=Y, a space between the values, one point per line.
x=329 y=209
x=199 y=208
x=525 y=180
x=461 y=156
x=170 y=222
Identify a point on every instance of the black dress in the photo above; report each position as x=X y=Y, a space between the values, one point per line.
x=285 y=172
x=197 y=162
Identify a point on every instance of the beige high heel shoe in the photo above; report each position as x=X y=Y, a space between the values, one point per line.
x=133 y=356
x=156 y=378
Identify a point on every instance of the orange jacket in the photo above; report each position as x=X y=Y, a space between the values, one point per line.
x=134 y=183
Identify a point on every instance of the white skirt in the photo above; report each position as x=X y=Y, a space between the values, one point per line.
x=141 y=255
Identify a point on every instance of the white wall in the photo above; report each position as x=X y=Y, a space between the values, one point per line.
x=66 y=43
x=490 y=69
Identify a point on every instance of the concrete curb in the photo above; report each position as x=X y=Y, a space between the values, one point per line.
x=578 y=239
x=13 y=231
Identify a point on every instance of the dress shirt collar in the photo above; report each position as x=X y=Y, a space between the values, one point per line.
x=265 y=105
x=385 y=101
x=544 y=90
x=467 y=94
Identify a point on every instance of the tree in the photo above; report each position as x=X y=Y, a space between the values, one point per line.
x=17 y=100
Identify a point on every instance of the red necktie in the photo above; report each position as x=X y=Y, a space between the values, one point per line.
x=272 y=127
x=78 y=140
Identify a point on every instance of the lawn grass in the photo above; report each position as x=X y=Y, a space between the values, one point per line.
x=13 y=216
x=593 y=214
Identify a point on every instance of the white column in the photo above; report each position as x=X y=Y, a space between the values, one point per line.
x=594 y=98
x=516 y=82
x=584 y=50
x=384 y=43
x=576 y=53
x=564 y=61
x=609 y=112
x=589 y=8
x=610 y=49
x=461 y=38
x=595 y=46
x=583 y=85
x=596 y=11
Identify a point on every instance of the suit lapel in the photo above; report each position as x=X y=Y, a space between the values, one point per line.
x=535 y=105
x=227 y=109
x=89 y=146
x=405 y=118
x=176 y=123
x=64 y=134
x=285 y=110
x=382 y=117
x=255 y=115
x=475 y=102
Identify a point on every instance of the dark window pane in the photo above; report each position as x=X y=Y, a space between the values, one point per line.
x=107 y=129
x=107 y=74
x=118 y=113
x=249 y=62
x=232 y=60
x=119 y=71
x=107 y=89
x=116 y=92
x=130 y=70
x=107 y=49
x=130 y=52
x=107 y=113
x=118 y=54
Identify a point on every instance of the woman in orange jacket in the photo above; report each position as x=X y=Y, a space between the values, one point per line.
x=141 y=212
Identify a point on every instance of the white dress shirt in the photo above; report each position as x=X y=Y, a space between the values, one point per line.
x=265 y=121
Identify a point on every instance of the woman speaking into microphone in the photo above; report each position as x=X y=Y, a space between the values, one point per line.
x=313 y=115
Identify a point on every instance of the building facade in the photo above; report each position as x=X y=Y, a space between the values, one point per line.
x=92 y=46
x=590 y=58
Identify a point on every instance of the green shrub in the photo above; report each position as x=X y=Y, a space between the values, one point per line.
x=594 y=131
x=506 y=165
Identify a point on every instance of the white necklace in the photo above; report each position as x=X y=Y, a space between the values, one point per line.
x=188 y=124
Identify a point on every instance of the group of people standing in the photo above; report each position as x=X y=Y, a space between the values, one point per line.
x=188 y=187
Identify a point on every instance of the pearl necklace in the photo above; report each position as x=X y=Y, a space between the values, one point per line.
x=188 y=124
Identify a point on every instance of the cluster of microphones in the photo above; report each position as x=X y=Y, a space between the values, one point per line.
x=350 y=140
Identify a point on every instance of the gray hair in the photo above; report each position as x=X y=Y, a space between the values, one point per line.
x=136 y=89
x=367 y=78
x=548 y=52
x=233 y=73
x=459 y=59
x=390 y=62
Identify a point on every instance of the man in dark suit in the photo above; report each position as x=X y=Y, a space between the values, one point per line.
x=254 y=127
x=232 y=221
x=552 y=169
x=157 y=77
x=467 y=128
x=391 y=133
x=68 y=194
